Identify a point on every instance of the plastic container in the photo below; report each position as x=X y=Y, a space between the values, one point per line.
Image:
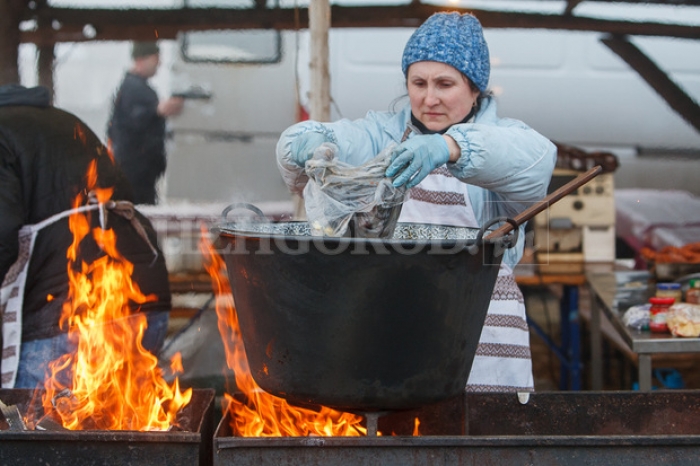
x=669 y=290
x=657 y=313
x=693 y=294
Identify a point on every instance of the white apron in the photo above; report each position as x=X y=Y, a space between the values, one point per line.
x=12 y=291
x=503 y=362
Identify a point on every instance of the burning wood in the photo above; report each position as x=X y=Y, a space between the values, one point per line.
x=12 y=416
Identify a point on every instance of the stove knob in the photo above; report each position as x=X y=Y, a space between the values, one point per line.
x=577 y=205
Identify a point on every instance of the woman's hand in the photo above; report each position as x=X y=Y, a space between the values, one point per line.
x=415 y=158
x=303 y=147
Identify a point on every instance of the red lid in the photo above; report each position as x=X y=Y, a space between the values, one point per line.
x=663 y=301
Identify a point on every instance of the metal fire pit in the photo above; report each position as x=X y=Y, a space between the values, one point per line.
x=186 y=447
x=575 y=428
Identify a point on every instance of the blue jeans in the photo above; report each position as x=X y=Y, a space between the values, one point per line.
x=35 y=355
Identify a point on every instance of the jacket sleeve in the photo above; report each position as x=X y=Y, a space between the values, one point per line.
x=507 y=158
x=11 y=210
x=358 y=141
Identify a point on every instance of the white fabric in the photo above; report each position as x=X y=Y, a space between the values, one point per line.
x=12 y=294
x=503 y=360
x=11 y=301
x=416 y=210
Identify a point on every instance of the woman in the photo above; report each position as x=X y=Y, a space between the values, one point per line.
x=463 y=164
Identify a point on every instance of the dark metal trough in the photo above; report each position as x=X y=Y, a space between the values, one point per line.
x=575 y=428
x=187 y=446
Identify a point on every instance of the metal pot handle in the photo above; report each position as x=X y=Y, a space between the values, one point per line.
x=507 y=241
x=242 y=205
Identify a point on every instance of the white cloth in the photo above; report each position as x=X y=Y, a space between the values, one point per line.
x=12 y=295
x=503 y=361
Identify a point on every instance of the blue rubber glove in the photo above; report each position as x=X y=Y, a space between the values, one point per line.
x=303 y=147
x=415 y=158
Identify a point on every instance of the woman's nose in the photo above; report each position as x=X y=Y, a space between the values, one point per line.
x=431 y=97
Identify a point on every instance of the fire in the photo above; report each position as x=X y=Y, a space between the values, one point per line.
x=261 y=414
x=110 y=382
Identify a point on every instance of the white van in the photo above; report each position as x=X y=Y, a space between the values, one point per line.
x=567 y=85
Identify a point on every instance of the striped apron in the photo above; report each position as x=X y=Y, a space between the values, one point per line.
x=503 y=362
x=12 y=296
x=12 y=291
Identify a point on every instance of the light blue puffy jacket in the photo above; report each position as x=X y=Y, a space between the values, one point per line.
x=506 y=164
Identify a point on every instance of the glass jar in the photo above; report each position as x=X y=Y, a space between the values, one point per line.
x=693 y=293
x=669 y=290
x=657 y=313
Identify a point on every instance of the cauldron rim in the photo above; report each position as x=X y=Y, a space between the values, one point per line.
x=449 y=235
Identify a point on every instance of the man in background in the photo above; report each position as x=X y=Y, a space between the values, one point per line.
x=136 y=130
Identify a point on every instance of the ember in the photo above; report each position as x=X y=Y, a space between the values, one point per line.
x=110 y=382
x=260 y=414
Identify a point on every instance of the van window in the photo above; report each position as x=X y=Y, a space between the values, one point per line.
x=231 y=46
x=243 y=46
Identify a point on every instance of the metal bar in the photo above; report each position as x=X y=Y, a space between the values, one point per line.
x=565 y=331
x=645 y=372
x=575 y=335
x=551 y=344
x=596 y=343
x=648 y=70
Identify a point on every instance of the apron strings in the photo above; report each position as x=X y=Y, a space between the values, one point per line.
x=124 y=209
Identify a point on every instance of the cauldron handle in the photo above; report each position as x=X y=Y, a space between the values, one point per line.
x=506 y=241
x=242 y=205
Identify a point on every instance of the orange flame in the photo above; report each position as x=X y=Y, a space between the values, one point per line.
x=113 y=382
x=416 y=425
x=261 y=414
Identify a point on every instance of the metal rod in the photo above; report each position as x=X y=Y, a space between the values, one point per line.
x=372 y=421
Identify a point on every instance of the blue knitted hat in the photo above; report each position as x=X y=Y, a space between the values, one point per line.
x=454 y=39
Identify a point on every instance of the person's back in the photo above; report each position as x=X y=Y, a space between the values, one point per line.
x=44 y=157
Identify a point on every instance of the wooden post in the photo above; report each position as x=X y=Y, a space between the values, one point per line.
x=46 y=53
x=320 y=82
x=10 y=14
x=45 y=67
x=319 y=24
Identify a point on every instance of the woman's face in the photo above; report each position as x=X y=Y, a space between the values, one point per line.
x=440 y=95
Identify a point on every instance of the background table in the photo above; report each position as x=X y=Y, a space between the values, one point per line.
x=610 y=293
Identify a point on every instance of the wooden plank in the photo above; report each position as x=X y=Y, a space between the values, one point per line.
x=320 y=78
x=676 y=98
x=144 y=24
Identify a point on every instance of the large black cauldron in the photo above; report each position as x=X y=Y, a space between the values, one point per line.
x=361 y=324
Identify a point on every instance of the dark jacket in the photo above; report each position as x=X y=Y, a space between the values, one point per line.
x=137 y=135
x=44 y=157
